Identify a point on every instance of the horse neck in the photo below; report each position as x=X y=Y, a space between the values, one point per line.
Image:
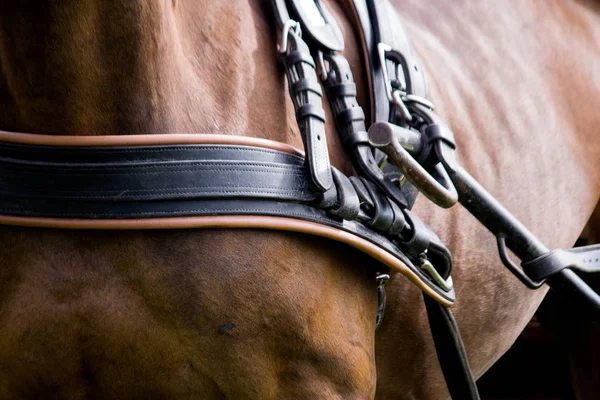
x=181 y=66
x=131 y=67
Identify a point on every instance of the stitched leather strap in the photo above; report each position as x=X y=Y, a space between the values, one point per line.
x=380 y=29
x=451 y=352
x=380 y=26
x=350 y=123
x=584 y=259
x=306 y=95
x=161 y=173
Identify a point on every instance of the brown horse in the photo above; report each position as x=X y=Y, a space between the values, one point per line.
x=249 y=314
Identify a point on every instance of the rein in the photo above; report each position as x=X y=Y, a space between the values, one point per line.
x=217 y=181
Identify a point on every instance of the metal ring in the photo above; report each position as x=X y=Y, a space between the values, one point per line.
x=413 y=98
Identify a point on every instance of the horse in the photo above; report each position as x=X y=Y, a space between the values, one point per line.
x=251 y=313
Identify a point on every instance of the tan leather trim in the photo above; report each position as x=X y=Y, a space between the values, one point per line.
x=232 y=221
x=146 y=140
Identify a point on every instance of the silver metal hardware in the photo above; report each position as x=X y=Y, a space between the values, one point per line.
x=389 y=138
x=394 y=95
x=445 y=284
x=397 y=95
x=413 y=98
x=399 y=103
x=289 y=25
x=381 y=279
x=322 y=68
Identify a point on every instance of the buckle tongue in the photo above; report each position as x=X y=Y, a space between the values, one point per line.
x=397 y=89
x=445 y=284
x=394 y=90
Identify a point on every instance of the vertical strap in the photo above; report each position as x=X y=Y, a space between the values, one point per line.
x=306 y=95
x=350 y=123
x=305 y=91
x=451 y=352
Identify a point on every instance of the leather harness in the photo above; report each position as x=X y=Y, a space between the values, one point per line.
x=216 y=181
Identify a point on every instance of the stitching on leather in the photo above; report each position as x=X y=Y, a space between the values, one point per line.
x=162 y=163
x=97 y=150
x=119 y=171
x=149 y=192
x=296 y=189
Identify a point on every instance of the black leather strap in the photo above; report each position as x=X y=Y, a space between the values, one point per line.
x=114 y=175
x=381 y=30
x=380 y=106
x=318 y=24
x=584 y=259
x=379 y=25
x=389 y=31
x=302 y=80
x=280 y=12
x=348 y=206
x=350 y=123
x=451 y=352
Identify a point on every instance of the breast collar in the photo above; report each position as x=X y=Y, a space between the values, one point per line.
x=211 y=181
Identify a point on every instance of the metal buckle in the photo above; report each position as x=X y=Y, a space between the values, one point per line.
x=289 y=25
x=394 y=96
x=398 y=96
x=445 y=284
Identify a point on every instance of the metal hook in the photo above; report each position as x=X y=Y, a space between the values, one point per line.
x=512 y=267
x=445 y=284
x=388 y=138
x=289 y=25
x=381 y=280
